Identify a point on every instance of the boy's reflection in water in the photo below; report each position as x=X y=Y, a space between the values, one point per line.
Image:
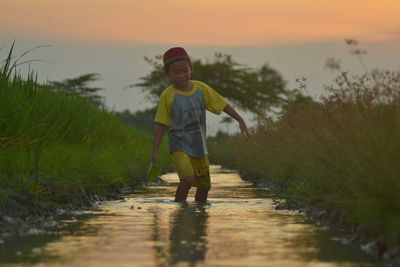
x=188 y=239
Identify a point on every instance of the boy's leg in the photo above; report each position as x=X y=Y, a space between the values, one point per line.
x=183 y=189
x=203 y=181
x=201 y=195
x=184 y=168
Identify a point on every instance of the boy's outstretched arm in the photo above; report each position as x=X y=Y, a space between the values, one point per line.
x=242 y=125
x=158 y=135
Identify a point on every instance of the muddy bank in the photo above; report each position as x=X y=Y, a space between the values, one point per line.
x=25 y=215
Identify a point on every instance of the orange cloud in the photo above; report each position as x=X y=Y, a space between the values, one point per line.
x=206 y=22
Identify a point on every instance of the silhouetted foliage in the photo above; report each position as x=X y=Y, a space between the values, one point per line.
x=141 y=119
x=80 y=87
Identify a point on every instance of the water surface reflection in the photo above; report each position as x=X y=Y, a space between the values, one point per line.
x=236 y=227
x=188 y=238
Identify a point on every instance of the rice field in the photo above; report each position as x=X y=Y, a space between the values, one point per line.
x=56 y=150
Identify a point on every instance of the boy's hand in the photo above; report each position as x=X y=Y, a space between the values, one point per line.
x=244 y=130
x=242 y=125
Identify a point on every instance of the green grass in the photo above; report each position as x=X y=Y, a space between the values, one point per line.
x=340 y=154
x=57 y=149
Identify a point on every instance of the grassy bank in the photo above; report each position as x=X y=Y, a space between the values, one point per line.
x=339 y=154
x=59 y=151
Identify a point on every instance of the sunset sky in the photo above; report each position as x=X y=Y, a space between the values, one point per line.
x=111 y=37
x=206 y=22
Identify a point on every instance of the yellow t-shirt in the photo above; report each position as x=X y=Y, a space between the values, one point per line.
x=184 y=113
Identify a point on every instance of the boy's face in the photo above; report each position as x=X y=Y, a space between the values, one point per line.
x=179 y=73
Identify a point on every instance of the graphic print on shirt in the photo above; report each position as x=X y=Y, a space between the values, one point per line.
x=188 y=129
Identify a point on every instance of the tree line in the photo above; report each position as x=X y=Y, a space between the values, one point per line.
x=255 y=90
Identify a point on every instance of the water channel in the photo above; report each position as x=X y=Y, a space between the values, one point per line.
x=238 y=226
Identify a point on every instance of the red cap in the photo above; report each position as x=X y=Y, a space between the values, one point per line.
x=173 y=54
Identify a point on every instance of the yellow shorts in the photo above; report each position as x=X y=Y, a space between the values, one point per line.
x=197 y=167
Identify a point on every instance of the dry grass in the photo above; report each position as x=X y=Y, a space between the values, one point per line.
x=339 y=154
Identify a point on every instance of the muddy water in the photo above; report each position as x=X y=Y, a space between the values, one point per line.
x=237 y=227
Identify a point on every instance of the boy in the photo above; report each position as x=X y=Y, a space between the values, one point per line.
x=182 y=108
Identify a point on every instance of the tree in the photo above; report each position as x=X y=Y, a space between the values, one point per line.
x=143 y=119
x=79 y=87
x=254 y=90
